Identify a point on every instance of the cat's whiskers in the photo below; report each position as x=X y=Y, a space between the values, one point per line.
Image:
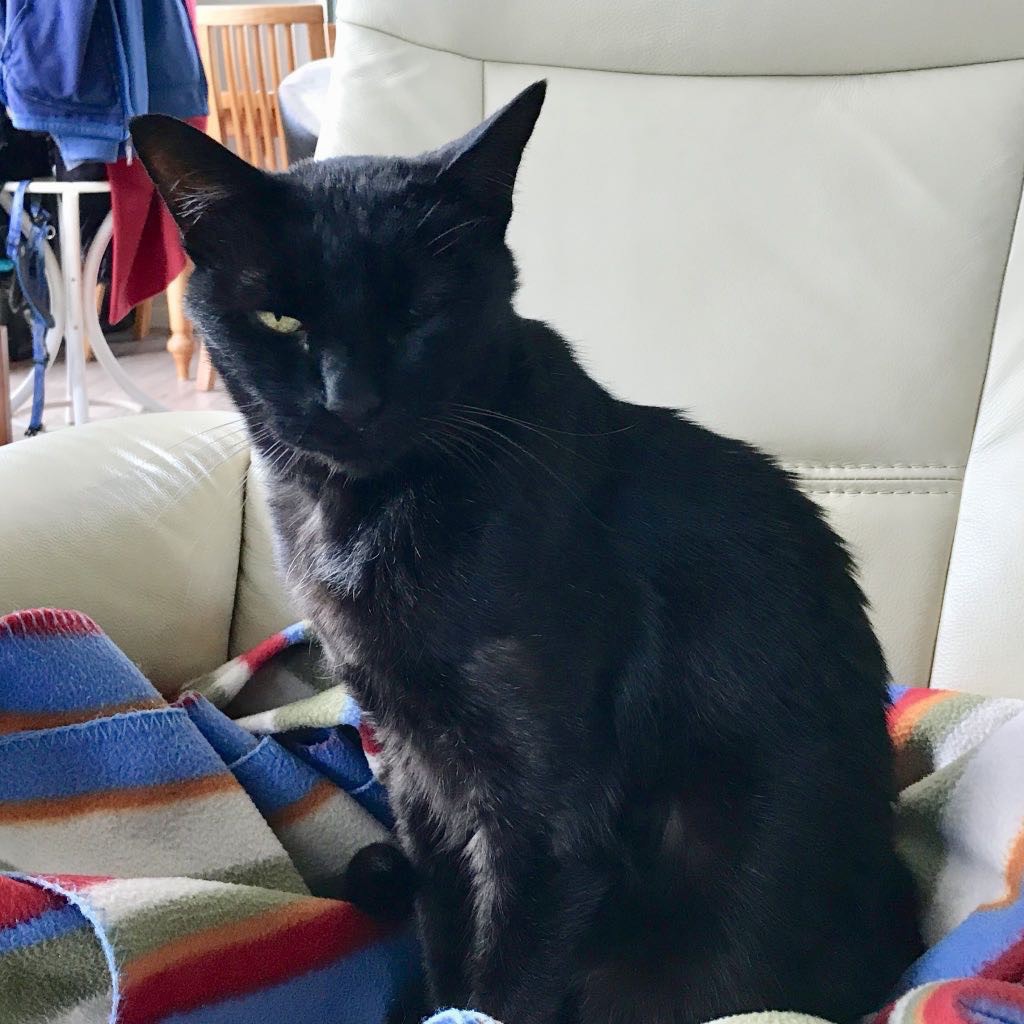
x=472 y=222
x=539 y=426
x=575 y=451
x=460 y=450
x=470 y=452
x=499 y=437
x=201 y=436
x=423 y=220
x=472 y=412
x=470 y=442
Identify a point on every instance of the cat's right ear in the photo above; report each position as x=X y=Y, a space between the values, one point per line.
x=484 y=163
x=214 y=197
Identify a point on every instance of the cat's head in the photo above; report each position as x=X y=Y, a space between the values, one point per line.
x=346 y=301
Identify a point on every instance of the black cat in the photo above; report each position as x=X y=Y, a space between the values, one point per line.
x=631 y=707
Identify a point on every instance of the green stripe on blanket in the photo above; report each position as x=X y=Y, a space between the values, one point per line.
x=53 y=976
x=198 y=911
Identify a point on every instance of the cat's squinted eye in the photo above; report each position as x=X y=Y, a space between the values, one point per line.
x=278 y=324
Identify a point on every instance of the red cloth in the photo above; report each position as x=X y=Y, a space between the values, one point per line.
x=147 y=247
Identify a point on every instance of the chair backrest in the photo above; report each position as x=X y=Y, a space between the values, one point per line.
x=246 y=51
x=794 y=219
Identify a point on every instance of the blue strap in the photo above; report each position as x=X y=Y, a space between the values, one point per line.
x=30 y=269
x=14 y=227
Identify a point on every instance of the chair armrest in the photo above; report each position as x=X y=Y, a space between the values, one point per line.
x=138 y=522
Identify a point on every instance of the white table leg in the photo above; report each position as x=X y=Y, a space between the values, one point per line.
x=6 y=427
x=74 y=330
x=75 y=312
x=106 y=358
x=69 y=410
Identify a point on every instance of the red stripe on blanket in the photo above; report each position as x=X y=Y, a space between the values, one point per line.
x=906 y=712
x=76 y=883
x=1009 y=965
x=962 y=999
x=242 y=957
x=368 y=738
x=48 y=621
x=259 y=655
x=21 y=901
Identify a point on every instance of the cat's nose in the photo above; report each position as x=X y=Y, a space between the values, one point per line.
x=354 y=408
x=348 y=394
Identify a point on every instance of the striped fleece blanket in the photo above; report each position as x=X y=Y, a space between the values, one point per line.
x=160 y=862
x=161 y=859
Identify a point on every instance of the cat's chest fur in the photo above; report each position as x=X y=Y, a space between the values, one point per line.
x=345 y=569
x=381 y=599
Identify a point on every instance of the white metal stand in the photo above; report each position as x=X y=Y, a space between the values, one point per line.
x=72 y=297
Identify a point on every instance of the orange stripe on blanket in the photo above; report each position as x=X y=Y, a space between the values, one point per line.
x=17 y=812
x=1014 y=876
x=908 y=711
x=321 y=792
x=28 y=721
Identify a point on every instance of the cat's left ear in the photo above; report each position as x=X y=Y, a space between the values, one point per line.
x=483 y=164
x=214 y=197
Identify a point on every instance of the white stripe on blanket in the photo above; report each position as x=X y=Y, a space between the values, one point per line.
x=982 y=720
x=980 y=821
x=91 y=1011
x=125 y=898
x=171 y=840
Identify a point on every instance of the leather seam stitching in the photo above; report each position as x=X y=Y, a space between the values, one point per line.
x=811 y=481
x=865 y=465
x=856 y=490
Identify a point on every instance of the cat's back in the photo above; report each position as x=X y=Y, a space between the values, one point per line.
x=757 y=652
x=687 y=496
x=743 y=566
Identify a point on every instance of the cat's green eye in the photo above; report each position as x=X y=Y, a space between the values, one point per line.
x=279 y=324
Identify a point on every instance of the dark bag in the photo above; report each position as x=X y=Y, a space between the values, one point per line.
x=22 y=154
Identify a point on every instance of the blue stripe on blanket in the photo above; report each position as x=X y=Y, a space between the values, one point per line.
x=273 y=777
x=140 y=748
x=62 y=673
x=356 y=990
x=331 y=753
x=229 y=740
x=50 y=924
x=968 y=947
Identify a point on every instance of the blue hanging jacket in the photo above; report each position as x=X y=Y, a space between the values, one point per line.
x=81 y=69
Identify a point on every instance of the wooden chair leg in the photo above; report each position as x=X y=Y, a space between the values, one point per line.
x=180 y=344
x=206 y=375
x=6 y=426
x=101 y=293
x=143 y=320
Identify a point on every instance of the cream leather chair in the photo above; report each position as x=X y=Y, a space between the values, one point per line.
x=796 y=220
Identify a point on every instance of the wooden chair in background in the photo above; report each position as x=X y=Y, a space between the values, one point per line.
x=246 y=51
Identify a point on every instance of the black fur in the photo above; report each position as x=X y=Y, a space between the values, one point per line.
x=379 y=881
x=630 y=703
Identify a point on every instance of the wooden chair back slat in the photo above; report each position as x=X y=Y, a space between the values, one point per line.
x=241 y=49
